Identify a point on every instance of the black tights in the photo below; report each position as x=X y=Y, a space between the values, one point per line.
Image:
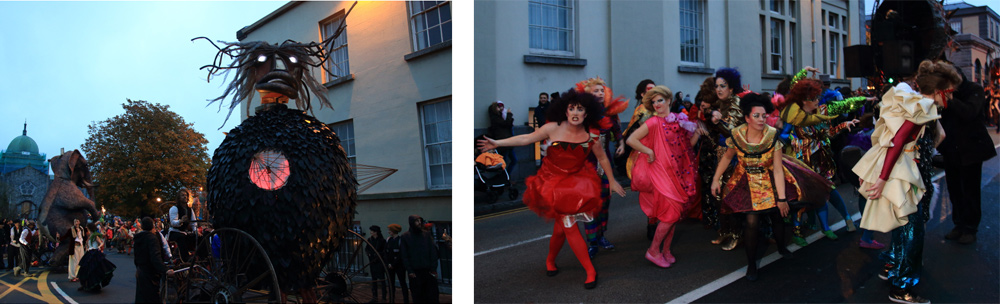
x=752 y=231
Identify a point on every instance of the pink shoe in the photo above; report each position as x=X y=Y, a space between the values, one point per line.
x=669 y=258
x=871 y=245
x=659 y=261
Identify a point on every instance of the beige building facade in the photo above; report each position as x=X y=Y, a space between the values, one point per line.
x=392 y=103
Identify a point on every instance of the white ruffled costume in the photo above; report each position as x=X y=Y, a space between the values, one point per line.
x=903 y=188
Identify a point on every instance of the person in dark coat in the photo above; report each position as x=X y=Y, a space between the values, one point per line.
x=965 y=147
x=394 y=261
x=377 y=268
x=420 y=257
x=541 y=109
x=149 y=265
x=502 y=126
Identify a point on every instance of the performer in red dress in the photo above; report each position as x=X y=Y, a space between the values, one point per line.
x=665 y=172
x=566 y=188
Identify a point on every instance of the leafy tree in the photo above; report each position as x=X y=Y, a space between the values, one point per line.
x=147 y=153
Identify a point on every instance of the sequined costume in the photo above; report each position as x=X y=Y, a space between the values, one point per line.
x=667 y=184
x=707 y=160
x=566 y=184
x=751 y=188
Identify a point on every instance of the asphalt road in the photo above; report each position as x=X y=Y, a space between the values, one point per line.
x=49 y=285
x=511 y=247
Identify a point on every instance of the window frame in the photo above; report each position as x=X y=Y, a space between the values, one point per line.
x=787 y=25
x=331 y=62
x=440 y=27
x=571 y=29
x=351 y=149
x=695 y=27
x=446 y=166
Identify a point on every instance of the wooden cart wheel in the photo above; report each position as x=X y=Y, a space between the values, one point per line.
x=351 y=274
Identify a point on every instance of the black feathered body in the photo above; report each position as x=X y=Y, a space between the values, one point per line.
x=300 y=224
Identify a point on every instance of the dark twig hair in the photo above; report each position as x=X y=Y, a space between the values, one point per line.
x=557 y=110
x=641 y=88
x=245 y=54
x=732 y=77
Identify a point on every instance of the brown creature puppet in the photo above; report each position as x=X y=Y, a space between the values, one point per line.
x=65 y=201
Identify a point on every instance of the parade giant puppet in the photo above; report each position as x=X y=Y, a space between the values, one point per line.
x=281 y=175
x=65 y=201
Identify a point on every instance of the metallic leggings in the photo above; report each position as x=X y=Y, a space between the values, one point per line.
x=906 y=252
x=596 y=228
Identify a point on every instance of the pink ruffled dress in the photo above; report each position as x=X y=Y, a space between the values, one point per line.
x=667 y=184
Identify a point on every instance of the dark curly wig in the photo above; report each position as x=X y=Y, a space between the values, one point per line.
x=641 y=88
x=752 y=100
x=732 y=77
x=557 y=110
x=805 y=89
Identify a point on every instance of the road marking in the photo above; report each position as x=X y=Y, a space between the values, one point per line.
x=63 y=294
x=492 y=215
x=696 y=294
x=44 y=294
x=513 y=245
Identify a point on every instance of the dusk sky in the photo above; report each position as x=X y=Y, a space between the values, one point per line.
x=68 y=64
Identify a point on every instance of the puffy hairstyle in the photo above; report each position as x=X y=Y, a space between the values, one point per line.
x=749 y=101
x=805 y=89
x=557 y=109
x=706 y=92
x=641 y=88
x=663 y=90
x=732 y=77
x=934 y=76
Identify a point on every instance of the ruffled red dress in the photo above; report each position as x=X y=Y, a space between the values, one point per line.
x=667 y=184
x=566 y=184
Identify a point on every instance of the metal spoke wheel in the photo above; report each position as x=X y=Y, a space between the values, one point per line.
x=353 y=273
x=229 y=266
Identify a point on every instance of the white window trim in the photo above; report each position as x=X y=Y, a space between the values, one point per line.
x=572 y=36
x=424 y=144
x=414 y=45
x=346 y=68
x=828 y=32
x=701 y=48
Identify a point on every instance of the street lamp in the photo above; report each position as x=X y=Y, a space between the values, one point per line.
x=157 y=199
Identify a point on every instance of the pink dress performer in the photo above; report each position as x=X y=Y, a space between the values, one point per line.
x=665 y=172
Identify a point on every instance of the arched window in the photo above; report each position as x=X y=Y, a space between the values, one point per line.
x=979 y=71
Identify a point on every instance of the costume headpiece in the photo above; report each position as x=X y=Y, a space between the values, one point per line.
x=612 y=105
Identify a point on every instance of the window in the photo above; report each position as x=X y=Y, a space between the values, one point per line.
x=777 y=32
x=339 y=63
x=550 y=27
x=692 y=16
x=777 y=26
x=834 y=52
x=956 y=26
x=834 y=37
x=436 y=122
x=778 y=6
x=345 y=130
x=430 y=23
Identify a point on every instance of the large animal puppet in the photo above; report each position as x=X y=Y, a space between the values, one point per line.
x=65 y=201
x=281 y=175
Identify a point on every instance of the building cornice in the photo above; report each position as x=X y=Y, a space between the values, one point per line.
x=975 y=40
x=246 y=30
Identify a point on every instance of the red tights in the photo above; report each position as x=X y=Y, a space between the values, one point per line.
x=576 y=243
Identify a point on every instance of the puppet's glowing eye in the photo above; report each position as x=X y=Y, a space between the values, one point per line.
x=261 y=58
x=293 y=59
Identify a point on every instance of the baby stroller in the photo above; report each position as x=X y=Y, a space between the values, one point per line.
x=492 y=177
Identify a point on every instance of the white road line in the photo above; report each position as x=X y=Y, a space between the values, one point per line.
x=512 y=245
x=696 y=294
x=60 y=291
